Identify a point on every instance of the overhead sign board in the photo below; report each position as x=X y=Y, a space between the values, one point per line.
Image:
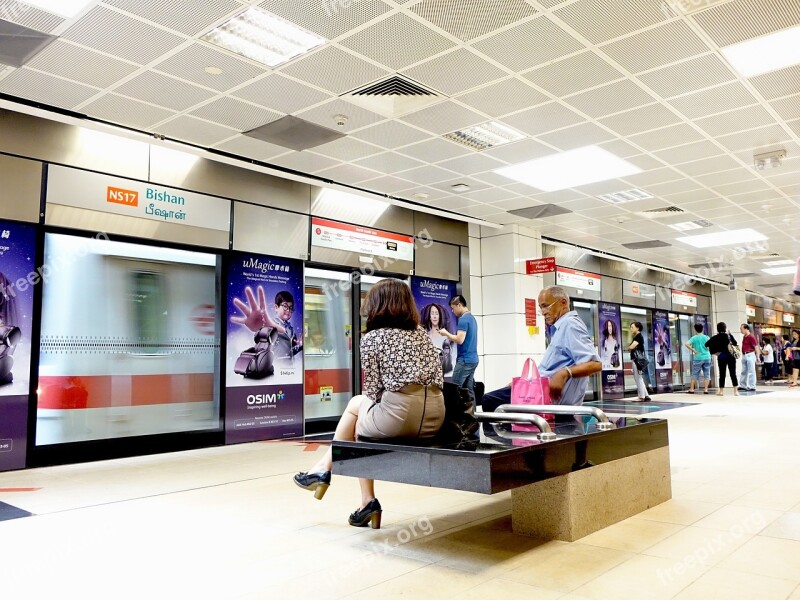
x=577 y=279
x=684 y=298
x=103 y=193
x=363 y=240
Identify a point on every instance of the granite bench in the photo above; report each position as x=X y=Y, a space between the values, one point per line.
x=564 y=488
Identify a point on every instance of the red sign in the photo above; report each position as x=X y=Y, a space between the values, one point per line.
x=537 y=266
x=530 y=312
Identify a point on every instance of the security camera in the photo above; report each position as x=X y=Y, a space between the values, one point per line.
x=732 y=284
x=341 y=120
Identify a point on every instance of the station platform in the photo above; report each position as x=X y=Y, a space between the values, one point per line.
x=229 y=523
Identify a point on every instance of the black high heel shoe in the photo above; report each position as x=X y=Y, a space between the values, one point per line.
x=371 y=514
x=314 y=482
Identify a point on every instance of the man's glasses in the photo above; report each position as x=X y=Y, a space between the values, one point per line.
x=287 y=307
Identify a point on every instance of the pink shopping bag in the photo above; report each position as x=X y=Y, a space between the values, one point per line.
x=530 y=388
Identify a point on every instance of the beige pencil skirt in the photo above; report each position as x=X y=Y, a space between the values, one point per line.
x=412 y=411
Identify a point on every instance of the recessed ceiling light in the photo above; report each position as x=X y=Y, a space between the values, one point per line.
x=626 y=196
x=460 y=187
x=65 y=8
x=213 y=70
x=263 y=37
x=421 y=196
x=723 y=238
x=485 y=136
x=685 y=226
x=569 y=169
x=780 y=271
x=778 y=263
x=766 y=53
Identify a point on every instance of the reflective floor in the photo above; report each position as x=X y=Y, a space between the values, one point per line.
x=228 y=523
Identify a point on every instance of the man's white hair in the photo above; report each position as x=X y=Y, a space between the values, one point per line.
x=556 y=292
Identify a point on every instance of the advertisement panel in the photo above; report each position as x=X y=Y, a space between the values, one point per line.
x=662 y=350
x=364 y=240
x=18 y=275
x=264 y=377
x=611 y=350
x=703 y=320
x=432 y=297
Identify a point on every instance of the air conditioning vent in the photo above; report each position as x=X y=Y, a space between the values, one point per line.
x=393 y=97
x=661 y=213
x=394 y=86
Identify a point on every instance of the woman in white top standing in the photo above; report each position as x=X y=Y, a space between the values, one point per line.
x=768 y=367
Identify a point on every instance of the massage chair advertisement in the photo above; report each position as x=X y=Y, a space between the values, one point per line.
x=662 y=351
x=611 y=351
x=432 y=297
x=17 y=276
x=264 y=377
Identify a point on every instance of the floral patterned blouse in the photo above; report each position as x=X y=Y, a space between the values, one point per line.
x=393 y=358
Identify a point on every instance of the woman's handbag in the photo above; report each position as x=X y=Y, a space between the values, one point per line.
x=733 y=349
x=530 y=388
x=639 y=359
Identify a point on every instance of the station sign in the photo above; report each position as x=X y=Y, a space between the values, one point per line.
x=750 y=311
x=103 y=193
x=684 y=298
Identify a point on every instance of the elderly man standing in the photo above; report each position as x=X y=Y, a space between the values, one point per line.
x=571 y=356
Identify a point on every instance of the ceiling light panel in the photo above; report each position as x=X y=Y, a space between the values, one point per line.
x=778 y=263
x=764 y=54
x=723 y=238
x=569 y=169
x=780 y=271
x=263 y=37
x=485 y=136
x=625 y=196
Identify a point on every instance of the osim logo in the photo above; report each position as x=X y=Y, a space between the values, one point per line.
x=254 y=399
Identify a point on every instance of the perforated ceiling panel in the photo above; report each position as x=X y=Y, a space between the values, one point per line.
x=469 y=19
x=778 y=83
x=249 y=147
x=577 y=136
x=602 y=20
x=348 y=174
x=641 y=119
x=195 y=131
x=28 y=16
x=45 y=88
x=191 y=63
x=189 y=17
x=238 y=115
x=328 y=18
x=397 y=42
x=389 y=162
x=281 y=94
x=655 y=47
x=443 y=118
x=82 y=65
x=326 y=113
x=132 y=113
x=347 y=149
x=688 y=76
x=543 y=119
x=141 y=43
x=736 y=120
x=434 y=150
x=455 y=72
x=392 y=134
x=587 y=69
x=530 y=44
x=335 y=70
x=708 y=102
x=744 y=19
x=164 y=91
x=505 y=97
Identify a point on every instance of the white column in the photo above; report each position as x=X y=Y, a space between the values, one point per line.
x=499 y=287
x=730 y=307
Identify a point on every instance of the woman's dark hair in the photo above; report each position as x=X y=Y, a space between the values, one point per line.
x=698 y=327
x=721 y=327
x=797 y=331
x=638 y=325
x=444 y=316
x=390 y=305
x=613 y=329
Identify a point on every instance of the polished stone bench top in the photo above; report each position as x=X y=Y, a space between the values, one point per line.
x=497 y=463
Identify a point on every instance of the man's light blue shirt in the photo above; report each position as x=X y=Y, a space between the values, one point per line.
x=570 y=345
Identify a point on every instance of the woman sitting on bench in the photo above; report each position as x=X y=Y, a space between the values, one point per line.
x=402 y=391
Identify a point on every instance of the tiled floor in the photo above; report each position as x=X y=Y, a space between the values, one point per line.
x=228 y=523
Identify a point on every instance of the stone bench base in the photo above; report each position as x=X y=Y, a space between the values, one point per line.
x=571 y=506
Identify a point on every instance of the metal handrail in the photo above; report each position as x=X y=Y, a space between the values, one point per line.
x=545 y=433
x=603 y=424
